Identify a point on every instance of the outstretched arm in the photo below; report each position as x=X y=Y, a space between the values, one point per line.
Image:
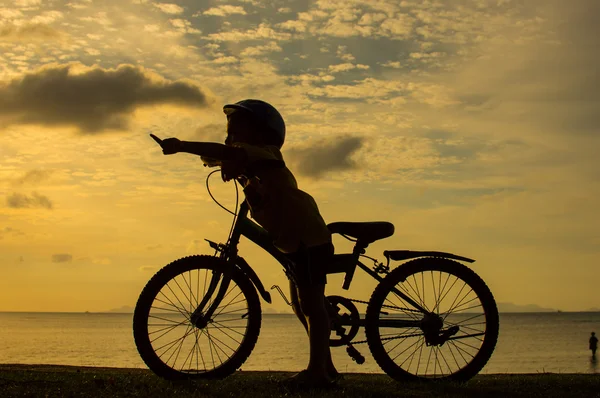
x=211 y=150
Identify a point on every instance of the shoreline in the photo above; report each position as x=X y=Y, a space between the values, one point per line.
x=59 y=367
x=67 y=380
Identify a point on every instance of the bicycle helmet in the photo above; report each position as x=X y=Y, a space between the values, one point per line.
x=265 y=114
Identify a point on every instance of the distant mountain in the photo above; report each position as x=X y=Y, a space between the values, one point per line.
x=512 y=307
x=129 y=310
x=502 y=307
x=123 y=310
x=593 y=309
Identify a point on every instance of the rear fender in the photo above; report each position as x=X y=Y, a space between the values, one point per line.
x=399 y=255
x=249 y=272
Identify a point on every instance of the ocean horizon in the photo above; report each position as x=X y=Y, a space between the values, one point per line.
x=528 y=342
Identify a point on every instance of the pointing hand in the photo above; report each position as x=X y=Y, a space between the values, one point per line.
x=169 y=145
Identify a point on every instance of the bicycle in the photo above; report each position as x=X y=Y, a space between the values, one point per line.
x=200 y=316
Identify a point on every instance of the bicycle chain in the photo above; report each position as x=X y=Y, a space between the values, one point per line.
x=389 y=338
x=387 y=306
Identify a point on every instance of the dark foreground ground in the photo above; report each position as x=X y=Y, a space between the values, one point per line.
x=71 y=381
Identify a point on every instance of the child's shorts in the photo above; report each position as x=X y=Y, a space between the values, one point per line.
x=309 y=264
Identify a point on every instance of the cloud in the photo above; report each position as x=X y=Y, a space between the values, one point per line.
x=346 y=67
x=392 y=64
x=363 y=89
x=27 y=3
x=224 y=10
x=263 y=31
x=91 y=99
x=28 y=31
x=261 y=50
x=226 y=60
x=297 y=26
x=184 y=26
x=21 y=201
x=169 y=8
x=62 y=258
x=34 y=176
x=47 y=17
x=325 y=156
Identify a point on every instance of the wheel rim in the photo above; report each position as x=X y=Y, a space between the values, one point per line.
x=184 y=347
x=454 y=302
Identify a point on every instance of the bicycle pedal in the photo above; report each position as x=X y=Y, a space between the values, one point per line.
x=355 y=355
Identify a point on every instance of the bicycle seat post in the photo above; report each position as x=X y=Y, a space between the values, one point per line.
x=359 y=248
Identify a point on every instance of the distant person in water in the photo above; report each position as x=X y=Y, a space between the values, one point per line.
x=593 y=344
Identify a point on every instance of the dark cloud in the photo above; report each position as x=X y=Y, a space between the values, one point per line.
x=20 y=201
x=62 y=258
x=93 y=99
x=28 y=32
x=10 y=231
x=324 y=156
x=34 y=176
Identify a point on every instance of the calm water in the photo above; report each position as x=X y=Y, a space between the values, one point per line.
x=528 y=343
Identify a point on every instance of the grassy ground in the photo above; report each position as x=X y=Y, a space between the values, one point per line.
x=71 y=381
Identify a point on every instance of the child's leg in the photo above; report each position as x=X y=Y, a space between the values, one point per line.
x=296 y=305
x=331 y=370
x=312 y=303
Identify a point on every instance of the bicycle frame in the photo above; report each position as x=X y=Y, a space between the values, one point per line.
x=346 y=262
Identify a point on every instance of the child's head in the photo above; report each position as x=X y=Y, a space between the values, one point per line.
x=254 y=122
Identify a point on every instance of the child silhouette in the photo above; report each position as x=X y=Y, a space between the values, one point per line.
x=251 y=154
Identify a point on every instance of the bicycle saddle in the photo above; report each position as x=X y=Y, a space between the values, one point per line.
x=366 y=232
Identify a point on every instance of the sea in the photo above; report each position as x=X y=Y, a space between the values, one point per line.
x=528 y=343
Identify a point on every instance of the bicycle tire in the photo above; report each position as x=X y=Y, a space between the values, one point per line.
x=451 y=351
x=175 y=273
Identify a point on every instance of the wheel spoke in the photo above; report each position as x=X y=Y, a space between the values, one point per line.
x=412 y=356
x=466 y=336
x=446 y=362
x=406 y=349
x=456 y=305
x=179 y=309
x=168 y=329
x=413 y=315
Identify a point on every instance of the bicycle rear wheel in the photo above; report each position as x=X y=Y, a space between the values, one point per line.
x=167 y=339
x=453 y=340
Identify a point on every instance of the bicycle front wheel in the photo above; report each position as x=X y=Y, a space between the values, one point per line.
x=172 y=345
x=455 y=336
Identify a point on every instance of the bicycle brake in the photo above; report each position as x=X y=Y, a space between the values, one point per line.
x=217 y=246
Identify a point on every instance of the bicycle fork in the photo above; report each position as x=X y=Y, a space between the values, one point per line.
x=201 y=319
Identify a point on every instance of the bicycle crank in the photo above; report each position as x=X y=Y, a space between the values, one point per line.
x=350 y=317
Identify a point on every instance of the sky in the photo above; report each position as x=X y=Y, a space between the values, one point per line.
x=472 y=125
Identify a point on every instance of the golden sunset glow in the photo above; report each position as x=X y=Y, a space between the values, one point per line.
x=471 y=125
